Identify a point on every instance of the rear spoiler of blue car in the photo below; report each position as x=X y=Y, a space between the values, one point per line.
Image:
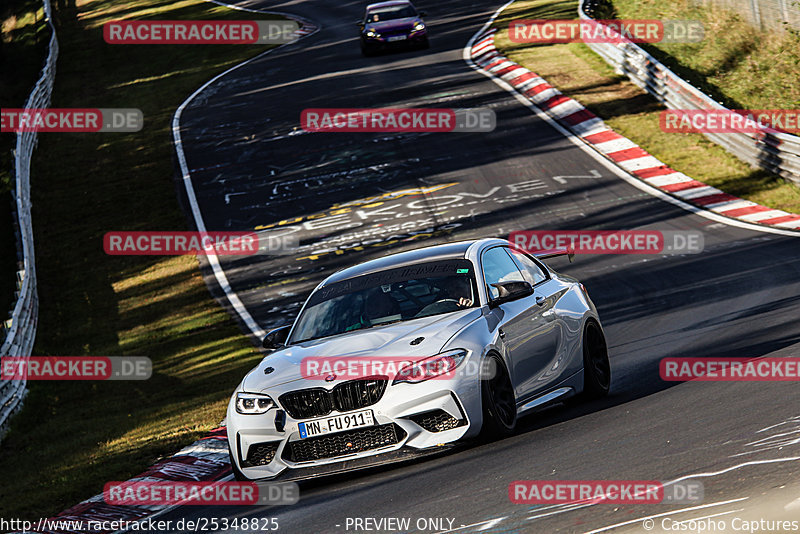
x=554 y=253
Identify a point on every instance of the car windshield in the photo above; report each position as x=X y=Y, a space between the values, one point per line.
x=385 y=297
x=391 y=13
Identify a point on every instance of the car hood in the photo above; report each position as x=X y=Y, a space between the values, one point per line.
x=392 y=340
x=393 y=25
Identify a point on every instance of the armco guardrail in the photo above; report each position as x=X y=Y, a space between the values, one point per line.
x=21 y=333
x=768 y=149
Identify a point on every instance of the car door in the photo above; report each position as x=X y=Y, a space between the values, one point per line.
x=525 y=327
x=542 y=366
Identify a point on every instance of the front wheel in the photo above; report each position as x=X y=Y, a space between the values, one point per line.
x=596 y=367
x=499 y=402
x=237 y=474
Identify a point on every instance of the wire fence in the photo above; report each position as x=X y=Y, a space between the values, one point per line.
x=767 y=15
x=19 y=332
x=768 y=149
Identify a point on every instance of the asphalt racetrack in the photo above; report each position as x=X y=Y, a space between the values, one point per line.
x=349 y=197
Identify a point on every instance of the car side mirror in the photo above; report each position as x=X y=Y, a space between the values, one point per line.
x=509 y=291
x=423 y=13
x=276 y=338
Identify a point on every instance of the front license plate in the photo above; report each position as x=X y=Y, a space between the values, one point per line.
x=336 y=423
x=397 y=38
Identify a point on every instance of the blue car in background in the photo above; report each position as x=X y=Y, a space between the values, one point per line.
x=392 y=24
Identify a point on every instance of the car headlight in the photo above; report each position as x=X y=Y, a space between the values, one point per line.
x=253 y=403
x=419 y=26
x=372 y=33
x=442 y=364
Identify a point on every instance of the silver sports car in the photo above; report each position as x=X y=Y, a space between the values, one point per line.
x=408 y=353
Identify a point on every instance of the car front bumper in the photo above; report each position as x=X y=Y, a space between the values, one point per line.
x=410 y=420
x=383 y=42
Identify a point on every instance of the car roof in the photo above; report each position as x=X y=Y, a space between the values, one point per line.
x=388 y=4
x=447 y=251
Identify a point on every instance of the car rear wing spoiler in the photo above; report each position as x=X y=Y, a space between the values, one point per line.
x=554 y=253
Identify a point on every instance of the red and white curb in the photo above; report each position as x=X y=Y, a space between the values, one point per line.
x=306 y=29
x=204 y=460
x=619 y=149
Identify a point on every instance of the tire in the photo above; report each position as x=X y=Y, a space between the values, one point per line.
x=498 y=400
x=366 y=52
x=238 y=475
x=426 y=44
x=596 y=367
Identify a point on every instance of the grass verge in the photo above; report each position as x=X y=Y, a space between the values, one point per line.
x=579 y=73
x=737 y=64
x=72 y=437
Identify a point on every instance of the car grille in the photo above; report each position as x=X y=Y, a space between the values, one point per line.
x=260 y=454
x=306 y=403
x=358 y=394
x=437 y=421
x=316 y=402
x=343 y=443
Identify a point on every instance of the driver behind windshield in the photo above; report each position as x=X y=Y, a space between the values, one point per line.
x=457 y=288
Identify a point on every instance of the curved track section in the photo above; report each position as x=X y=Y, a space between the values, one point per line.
x=351 y=197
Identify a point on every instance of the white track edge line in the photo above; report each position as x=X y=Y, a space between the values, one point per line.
x=663 y=514
x=219 y=273
x=213 y=259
